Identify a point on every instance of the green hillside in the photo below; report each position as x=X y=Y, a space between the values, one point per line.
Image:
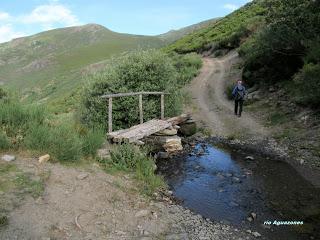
x=50 y=65
x=278 y=41
x=225 y=33
x=174 y=35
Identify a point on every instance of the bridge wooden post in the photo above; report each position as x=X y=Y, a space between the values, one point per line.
x=162 y=106
x=115 y=95
x=110 y=115
x=140 y=109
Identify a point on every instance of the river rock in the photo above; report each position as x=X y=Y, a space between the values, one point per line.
x=249 y=158
x=188 y=129
x=167 y=132
x=173 y=144
x=8 y=158
x=44 y=158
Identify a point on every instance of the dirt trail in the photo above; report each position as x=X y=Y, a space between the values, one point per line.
x=212 y=106
x=87 y=203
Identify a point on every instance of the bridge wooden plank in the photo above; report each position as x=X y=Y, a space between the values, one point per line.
x=140 y=131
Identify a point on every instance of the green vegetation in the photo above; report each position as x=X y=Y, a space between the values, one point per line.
x=13 y=179
x=287 y=49
x=138 y=71
x=50 y=66
x=130 y=158
x=16 y=185
x=33 y=187
x=3 y=94
x=4 y=141
x=187 y=66
x=29 y=126
x=226 y=33
x=175 y=35
x=3 y=220
x=277 y=118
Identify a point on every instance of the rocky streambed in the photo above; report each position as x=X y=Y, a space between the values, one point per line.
x=249 y=187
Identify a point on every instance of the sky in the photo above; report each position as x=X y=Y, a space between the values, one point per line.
x=145 y=17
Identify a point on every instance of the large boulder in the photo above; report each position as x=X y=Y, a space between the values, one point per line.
x=188 y=128
x=173 y=144
x=168 y=143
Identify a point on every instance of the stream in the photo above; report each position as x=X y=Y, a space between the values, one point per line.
x=247 y=190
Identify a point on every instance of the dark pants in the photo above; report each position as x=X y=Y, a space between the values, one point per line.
x=238 y=105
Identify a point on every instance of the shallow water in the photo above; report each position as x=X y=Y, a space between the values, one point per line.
x=225 y=186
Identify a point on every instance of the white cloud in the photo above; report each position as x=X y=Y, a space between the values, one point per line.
x=50 y=15
x=231 y=6
x=7 y=33
x=4 y=16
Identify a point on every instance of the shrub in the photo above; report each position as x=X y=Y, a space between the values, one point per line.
x=3 y=94
x=288 y=43
x=127 y=157
x=187 y=66
x=227 y=32
x=27 y=126
x=4 y=141
x=17 y=116
x=145 y=169
x=62 y=142
x=307 y=90
x=139 y=71
x=92 y=140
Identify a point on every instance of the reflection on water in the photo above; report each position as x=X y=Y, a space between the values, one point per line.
x=233 y=187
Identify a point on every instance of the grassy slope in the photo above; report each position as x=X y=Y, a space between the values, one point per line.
x=51 y=64
x=249 y=17
x=174 y=35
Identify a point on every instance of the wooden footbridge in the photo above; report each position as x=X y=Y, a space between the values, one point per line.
x=135 y=133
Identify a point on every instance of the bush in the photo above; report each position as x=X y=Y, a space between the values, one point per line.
x=17 y=116
x=27 y=126
x=287 y=48
x=16 y=119
x=4 y=142
x=139 y=71
x=227 y=32
x=62 y=142
x=92 y=140
x=127 y=157
x=307 y=90
x=3 y=94
x=187 y=66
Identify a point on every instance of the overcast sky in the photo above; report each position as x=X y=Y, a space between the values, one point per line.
x=20 y=18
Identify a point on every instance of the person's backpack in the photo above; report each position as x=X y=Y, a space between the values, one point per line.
x=240 y=94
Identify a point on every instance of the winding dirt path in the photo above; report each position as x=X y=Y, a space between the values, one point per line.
x=213 y=109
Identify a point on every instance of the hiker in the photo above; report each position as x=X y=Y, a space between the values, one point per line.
x=238 y=94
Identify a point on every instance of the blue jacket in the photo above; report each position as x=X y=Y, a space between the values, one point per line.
x=238 y=88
